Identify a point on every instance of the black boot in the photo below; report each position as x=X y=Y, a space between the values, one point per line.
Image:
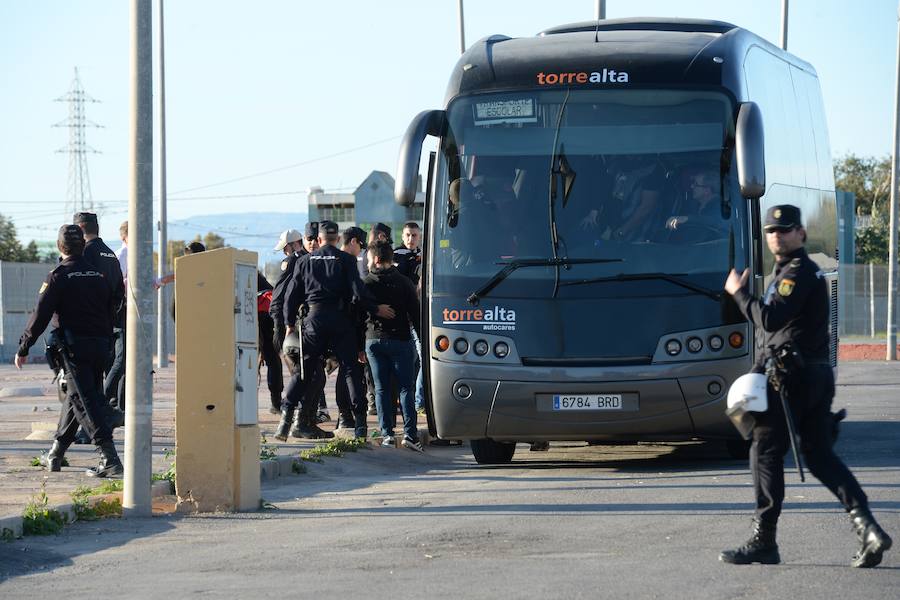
x=308 y=429
x=873 y=541
x=53 y=459
x=110 y=465
x=284 y=426
x=346 y=420
x=300 y=422
x=760 y=548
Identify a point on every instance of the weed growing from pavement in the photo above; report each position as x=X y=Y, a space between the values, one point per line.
x=266 y=450
x=39 y=518
x=36 y=461
x=168 y=474
x=298 y=467
x=336 y=447
x=263 y=505
x=7 y=535
x=87 y=510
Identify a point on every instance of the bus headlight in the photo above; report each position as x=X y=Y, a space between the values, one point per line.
x=481 y=347
x=694 y=345
x=673 y=347
x=501 y=349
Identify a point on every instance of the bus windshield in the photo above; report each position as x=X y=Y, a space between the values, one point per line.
x=598 y=183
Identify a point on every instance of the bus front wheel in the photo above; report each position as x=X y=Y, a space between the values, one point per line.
x=489 y=452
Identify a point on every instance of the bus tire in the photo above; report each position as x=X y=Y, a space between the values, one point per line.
x=489 y=452
x=738 y=449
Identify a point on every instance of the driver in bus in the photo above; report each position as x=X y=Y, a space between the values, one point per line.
x=706 y=217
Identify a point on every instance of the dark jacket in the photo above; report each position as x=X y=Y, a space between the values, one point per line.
x=408 y=262
x=794 y=309
x=276 y=308
x=104 y=260
x=79 y=295
x=391 y=287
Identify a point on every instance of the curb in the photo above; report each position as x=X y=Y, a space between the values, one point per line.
x=21 y=392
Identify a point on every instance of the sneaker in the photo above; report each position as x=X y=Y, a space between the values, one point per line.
x=388 y=442
x=373 y=410
x=323 y=417
x=412 y=444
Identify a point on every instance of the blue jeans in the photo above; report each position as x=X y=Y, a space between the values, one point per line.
x=420 y=385
x=397 y=358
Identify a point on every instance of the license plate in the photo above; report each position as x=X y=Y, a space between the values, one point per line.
x=588 y=402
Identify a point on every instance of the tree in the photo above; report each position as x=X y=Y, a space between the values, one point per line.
x=868 y=178
x=212 y=241
x=10 y=247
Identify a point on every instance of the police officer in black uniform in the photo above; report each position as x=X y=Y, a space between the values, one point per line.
x=104 y=260
x=79 y=299
x=303 y=425
x=327 y=281
x=793 y=315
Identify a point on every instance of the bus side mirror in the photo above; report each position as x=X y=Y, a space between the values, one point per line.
x=429 y=122
x=750 y=151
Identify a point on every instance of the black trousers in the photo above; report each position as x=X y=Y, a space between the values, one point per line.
x=324 y=329
x=270 y=356
x=114 y=383
x=295 y=392
x=810 y=392
x=91 y=356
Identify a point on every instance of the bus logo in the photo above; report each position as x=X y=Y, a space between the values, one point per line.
x=570 y=77
x=495 y=318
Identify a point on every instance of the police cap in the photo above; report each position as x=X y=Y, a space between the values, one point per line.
x=782 y=216
x=328 y=227
x=311 y=230
x=84 y=217
x=355 y=233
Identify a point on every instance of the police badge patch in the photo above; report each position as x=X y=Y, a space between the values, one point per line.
x=785 y=287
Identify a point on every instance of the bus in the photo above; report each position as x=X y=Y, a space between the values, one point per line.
x=590 y=189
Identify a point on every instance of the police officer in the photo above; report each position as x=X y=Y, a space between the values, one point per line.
x=105 y=260
x=327 y=281
x=795 y=311
x=294 y=246
x=79 y=299
x=267 y=350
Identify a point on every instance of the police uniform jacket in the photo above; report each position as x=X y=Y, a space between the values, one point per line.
x=794 y=309
x=81 y=298
x=327 y=277
x=407 y=262
x=276 y=308
x=105 y=260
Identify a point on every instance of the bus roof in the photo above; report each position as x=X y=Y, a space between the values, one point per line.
x=640 y=52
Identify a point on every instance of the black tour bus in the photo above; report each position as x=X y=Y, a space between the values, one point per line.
x=592 y=187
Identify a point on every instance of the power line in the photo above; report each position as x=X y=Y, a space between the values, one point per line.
x=286 y=167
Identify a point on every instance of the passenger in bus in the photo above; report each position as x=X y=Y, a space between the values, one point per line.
x=636 y=189
x=704 y=220
x=478 y=234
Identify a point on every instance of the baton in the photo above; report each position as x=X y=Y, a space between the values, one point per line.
x=70 y=373
x=789 y=419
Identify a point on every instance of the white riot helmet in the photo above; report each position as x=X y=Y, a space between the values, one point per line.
x=748 y=394
x=292 y=343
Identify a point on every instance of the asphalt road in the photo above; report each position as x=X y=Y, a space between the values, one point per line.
x=629 y=521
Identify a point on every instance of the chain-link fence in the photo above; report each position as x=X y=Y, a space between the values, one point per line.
x=862 y=302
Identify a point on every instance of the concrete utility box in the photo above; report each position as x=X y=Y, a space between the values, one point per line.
x=216 y=425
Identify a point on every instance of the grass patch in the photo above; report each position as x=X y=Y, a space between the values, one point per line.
x=36 y=461
x=7 y=535
x=88 y=509
x=298 y=468
x=336 y=447
x=40 y=519
x=168 y=474
x=266 y=450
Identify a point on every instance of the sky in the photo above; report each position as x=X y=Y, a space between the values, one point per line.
x=266 y=99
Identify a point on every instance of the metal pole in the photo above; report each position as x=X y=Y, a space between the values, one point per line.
x=784 y=24
x=139 y=338
x=892 y=252
x=162 y=348
x=872 y=300
x=462 y=29
x=600 y=10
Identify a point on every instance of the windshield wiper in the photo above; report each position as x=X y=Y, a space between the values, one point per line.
x=677 y=279
x=511 y=266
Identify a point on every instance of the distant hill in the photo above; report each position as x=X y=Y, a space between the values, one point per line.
x=249 y=231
